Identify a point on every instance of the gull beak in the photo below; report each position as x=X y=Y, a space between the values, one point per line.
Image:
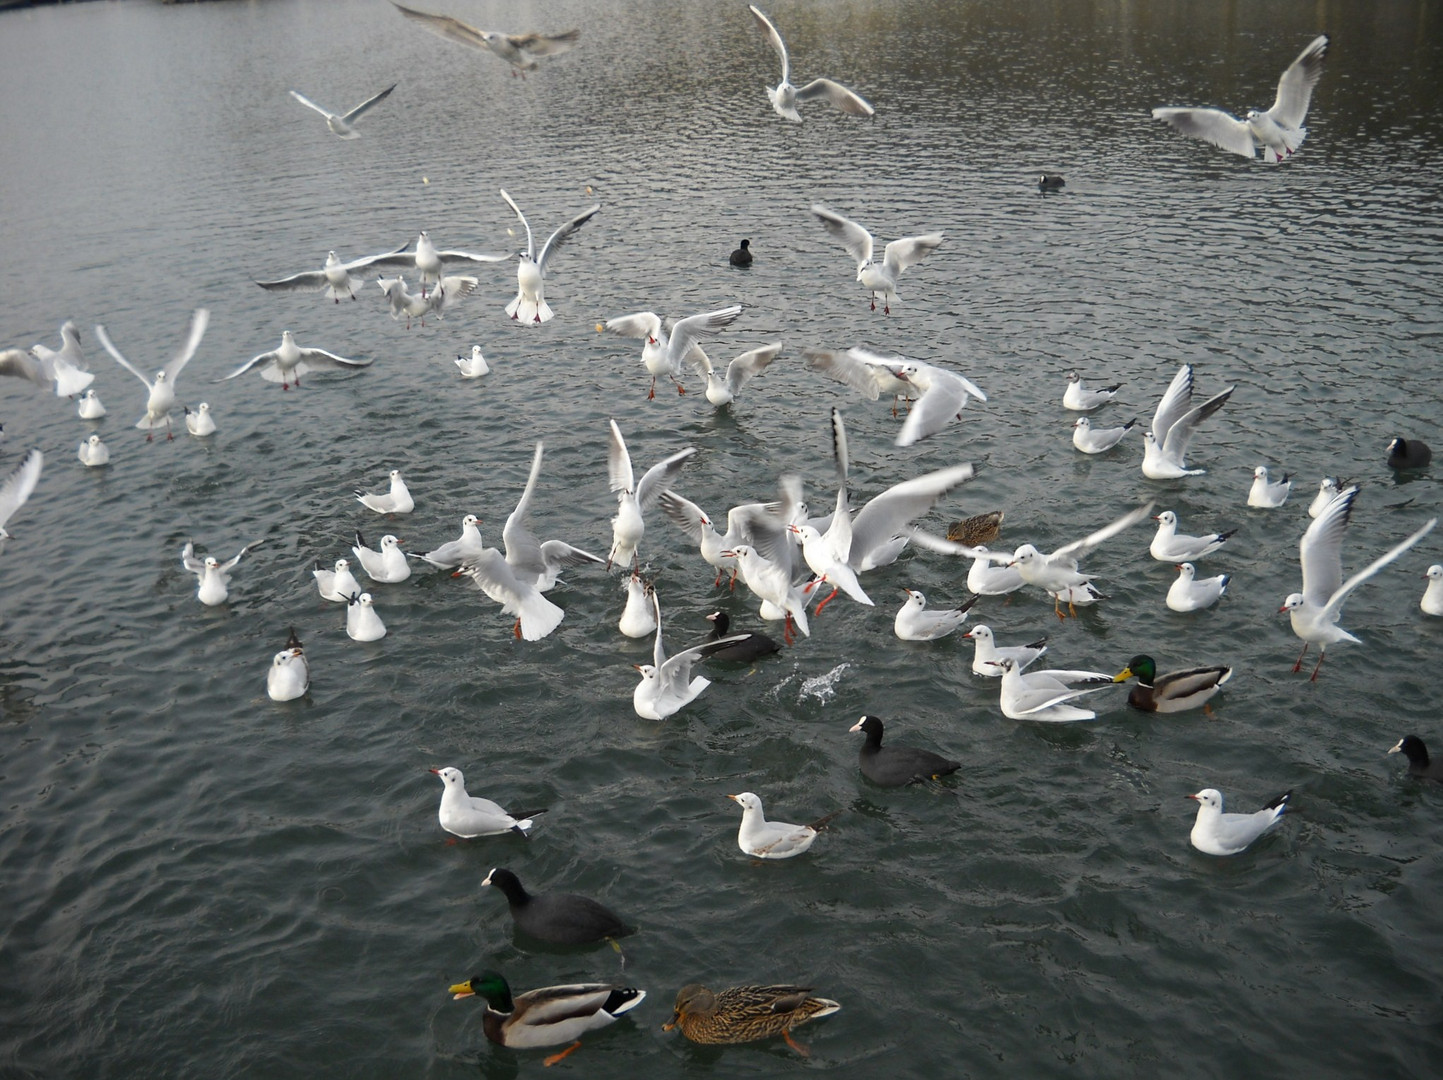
x=733 y=798
x=1282 y=609
x=435 y=772
x=1192 y=797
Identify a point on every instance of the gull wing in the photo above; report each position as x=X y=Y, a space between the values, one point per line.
x=19 y=484
x=863 y=371
x=523 y=549
x=656 y=478
x=908 y=251
x=618 y=462
x=189 y=561
x=684 y=331
x=644 y=324
x=535 y=44
x=308 y=103
x=198 y=322
x=935 y=409
x=891 y=512
x=685 y=514
x=263 y=358
x=561 y=235
x=1078 y=548
x=848 y=101
x=1295 y=88
x=749 y=364
x=775 y=38
x=857 y=240
x=1178 y=436
x=104 y=339
x=1214 y=126
x=530 y=244
x=230 y=564
x=1176 y=401
x=446 y=27
x=363 y=106
x=1320 y=551
x=319 y=358
x=22 y=365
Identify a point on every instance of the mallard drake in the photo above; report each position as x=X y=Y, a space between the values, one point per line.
x=1176 y=691
x=549 y=1015
x=978 y=529
x=741 y=1014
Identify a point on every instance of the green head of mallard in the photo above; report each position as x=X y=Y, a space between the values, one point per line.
x=490 y=985
x=1140 y=668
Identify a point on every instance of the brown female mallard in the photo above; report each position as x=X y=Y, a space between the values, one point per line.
x=549 y=1015
x=1174 y=692
x=978 y=529
x=746 y=1013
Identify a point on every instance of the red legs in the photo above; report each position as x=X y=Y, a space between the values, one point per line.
x=1298 y=666
x=787 y=629
x=517 y=629
x=652 y=395
x=554 y=1058
x=798 y=1047
x=537 y=321
x=827 y=601
x=1314 y=676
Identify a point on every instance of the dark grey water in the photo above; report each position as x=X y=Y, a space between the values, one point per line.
x=199 y=880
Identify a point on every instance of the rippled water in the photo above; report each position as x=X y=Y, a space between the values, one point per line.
x=198 y=879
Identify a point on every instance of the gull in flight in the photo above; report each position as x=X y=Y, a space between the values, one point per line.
x=212 y=575
x=896 y=256
x=1164 y=453
x=763 y=839
x=530 y=305
x=395 y=501
x=536 y=616
x=666 y=348
x=1314 y=612
x=1277 y=132
x=334 y=278
x=428 y=261
x=340 y=124
x=627 y=528
x=449 y=288
x=162 y=390
x=1057 y=572
x=943 y=393
x=867 y=372
x=286 y=363
x=785 y=97
x=17 y=488
x=723 y=388
x=532 y=561
x=1217 y=833
x=64 y=368
x=524 y=52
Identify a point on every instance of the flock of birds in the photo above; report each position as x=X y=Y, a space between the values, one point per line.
x=792 y=561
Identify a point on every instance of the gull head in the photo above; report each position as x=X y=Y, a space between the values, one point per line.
x=1026 y=555
x=1073 y=377
x=1435 y=572
x=1083 y=423
x=747 y=801
x=389 y=541
x=1292 y=603
x=1167 y=517
x=210 y=560
x=1209 y=797
x=449 y=775
x=980 y=632
x=160 y=376
x=1186 y=571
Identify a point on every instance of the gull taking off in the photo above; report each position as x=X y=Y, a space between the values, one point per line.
x=663 y=353
x=212 y=576
x=286 y=363
x=1165 y=446
x=627 y=528
x=17 y=488
x=334 y=278
x=162 y=391
x=530 y=305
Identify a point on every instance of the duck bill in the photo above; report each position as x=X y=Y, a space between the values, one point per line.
x=461 y=990
x=672 y=1022
x=1123 y=676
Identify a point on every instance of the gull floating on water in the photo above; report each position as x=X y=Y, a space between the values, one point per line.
x=667 y=346
x=340 y=124
x=200 y=423
x=388 y=565
x=987 y=578
x=453 y=553
x=722 y=389
x=338 y=584
x=161 y=398
x=1277 y=132
x=90 y=406
x=17 y=488
x=1043 y=695
x=289 y=676
x=65 y=368
x=288 y=362
x=395 y=501
x=1164 y=455
x=987 y=652
x=627 y=528
x=763 y=839
x=915 y=623
x=524 y=52
x=1080 y=398
x=1217 y=833
x=94 y=453
x=785 y=97
x=1432 y=601
x=1188 y=592
x=334 y=278
x=1328 y=490
x=896 y=256
x=1266 y=494
x=530 y=307
x=465 y=815
x=1314 y=612
x=1168 y=545
x=362 y=621
x=212 y=575
x=473 y=366
x=1091 y=440
x=666 y=683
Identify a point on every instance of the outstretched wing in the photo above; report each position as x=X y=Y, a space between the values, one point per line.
x=1078 y=548
x=848 y=101
x=19 y=484
x=530 y=248
x=1295 y=88
x=446 y=27
x=104 y=339
x=561 y=235
x=363 y=106
x=775 y=38
x=198 y=322
x=857 y=240
x=308 y=103
x=1214 y=126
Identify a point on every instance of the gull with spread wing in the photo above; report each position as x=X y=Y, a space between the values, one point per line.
x=531 y=560
x=17 y=488
x=530 y=307
x=287 y=362
x=666 y=683
x=340 y=124
x=667 y=346
x=896 y=256
x=785 y=97
x=334 y=278
x=524 y=52
x=627 y=528
x=212 y=575
x=1057 y=572
x=429 y=262
x=1164 y=453
x=162 y=391
x=723 y=388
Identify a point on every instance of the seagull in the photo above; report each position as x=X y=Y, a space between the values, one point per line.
x=768 y=574
x=695 y=522
x=763 y=839
x=987 y=652
x=1058 y=572
x=827 y=558
x=1268 y=494
x=341 y=124
x=1091 y=440
x=944 y=394
x=22 y=365
x=66 y=368
x=1079 y=398
x=453 y=287
x=1191 y=593
x=94 y=453
x=638 y=616
x=536 y=563
x=90 y=406
x=1165 y=446
x=896 y=257
x=1328 y=490
x=334 y=278
x=1277 y=132
x=473 y=366
x=200 y=423
x=289 y=676
x=987 y=578
x=429 y=262
x=468 y=816
x=867 y=372
x=1043 y=695
x=362 y=622
x=632 y=498
x=212 y=575
x=785 y=97
x=666 y=683
x=536 y=616
x=1216 y=833
x=388 y=565
x=338 y=584
x=162 y=390
x=722 y=389
x=17 y=488
x=288 y=362
x=1432 y=602
x=915 y=623
x=395 y=501
x=1170 y=546
x=453 y=553
x=663 y=353
x=530 y=305
x=1314 y=612
x=523 y=52
x=409 y=304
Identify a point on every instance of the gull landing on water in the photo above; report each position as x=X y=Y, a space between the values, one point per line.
x=1278 y=132
x=1164 y=454
x=162 y=390
x=530 y=305
x=667 y=346
x=896 y=256
x=340 y=124
x=287 y=362
x=334 y=278
x=785 y=96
